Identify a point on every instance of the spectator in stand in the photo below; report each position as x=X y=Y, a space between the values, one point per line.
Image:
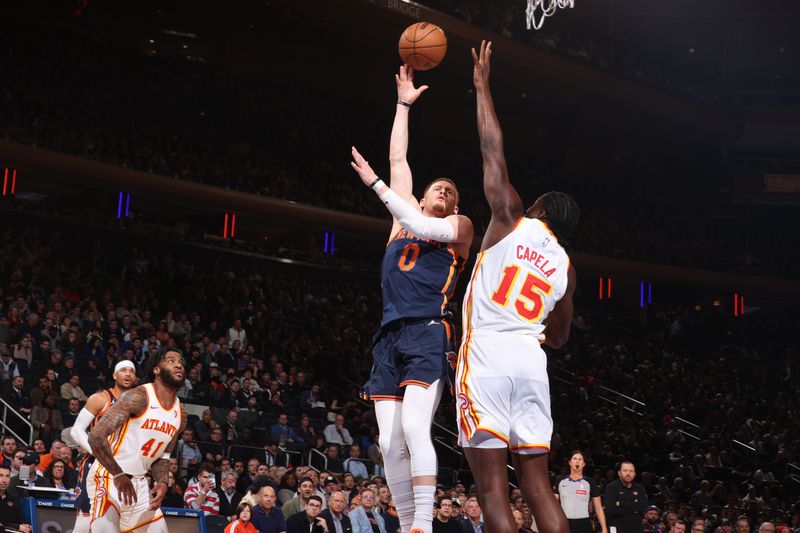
x=202 y=428
x=284 y=435
x=266 y=517
x=9 y=450
x=625 y=500
x=678 y=527
x=201 y=495
x=651 y=523
x=742 y=524
x=354 y=464
x=471 y=522
x=14 y=395
x=308 y=520
x=72 y=389
x=334 y=515
x=17 y=462
x=189 y=451
x=10 y=511
x=214 y=450
x=249 y=476
x=242 y=523
x=46 y=419
x=336 y=433
x=57 y=475
x=8 y=368
x=443 y=520
x=70 y=414
x=366 y=518
x=304 y=491
x=334 y=463
x=229 y=498
x=237 y=333
x=174 y=497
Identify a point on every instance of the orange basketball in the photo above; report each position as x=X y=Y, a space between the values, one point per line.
x=422 y=45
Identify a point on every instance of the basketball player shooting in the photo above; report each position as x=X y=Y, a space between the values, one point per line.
x=428 y=247
x=135 y=435
x=98 y=403
x=521 y=287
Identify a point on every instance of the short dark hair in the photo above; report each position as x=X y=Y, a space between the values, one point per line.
x=315 y=498
x=208 y=468
x=5 y=467
x=574 y=453
x=242 y=506
x=448 y=180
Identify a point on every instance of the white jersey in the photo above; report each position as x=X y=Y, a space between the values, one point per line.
x=142 y=440
x=517 y=282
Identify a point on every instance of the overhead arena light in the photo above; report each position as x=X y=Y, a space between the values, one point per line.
x=176 y=33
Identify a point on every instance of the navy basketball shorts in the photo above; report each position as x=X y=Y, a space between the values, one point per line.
x=82 y=502
x=409 y=352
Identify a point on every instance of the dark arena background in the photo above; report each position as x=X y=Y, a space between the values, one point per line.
x=177 y=174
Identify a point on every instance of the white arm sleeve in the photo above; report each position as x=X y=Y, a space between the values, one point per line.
x=78 y=431
x=437 y=229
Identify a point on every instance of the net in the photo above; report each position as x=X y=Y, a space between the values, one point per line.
x=538 y=10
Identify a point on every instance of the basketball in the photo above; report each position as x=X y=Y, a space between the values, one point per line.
x=422 y=45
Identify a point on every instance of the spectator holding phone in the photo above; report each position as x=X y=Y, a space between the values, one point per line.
x=201 y=495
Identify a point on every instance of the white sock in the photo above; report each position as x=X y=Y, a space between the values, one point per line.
x=404 y=503
x=423 y=507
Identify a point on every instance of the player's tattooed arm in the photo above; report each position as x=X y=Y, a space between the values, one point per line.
x=160 y=470
x=503 y=199
x=130 y=404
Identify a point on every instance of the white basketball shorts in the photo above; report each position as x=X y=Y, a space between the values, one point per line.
x=503 y=393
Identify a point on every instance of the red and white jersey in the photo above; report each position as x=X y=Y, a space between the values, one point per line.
x=143 y=439
x=517 y=282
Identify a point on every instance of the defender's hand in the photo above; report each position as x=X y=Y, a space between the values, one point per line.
x=406 y=92
x=481 y=65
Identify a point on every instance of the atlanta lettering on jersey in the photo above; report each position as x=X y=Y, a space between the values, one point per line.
x=157 y=425
x=537 y=260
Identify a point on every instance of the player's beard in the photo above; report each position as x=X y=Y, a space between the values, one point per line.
x=169 y=379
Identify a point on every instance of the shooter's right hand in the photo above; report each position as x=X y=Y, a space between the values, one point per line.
x=406 y=92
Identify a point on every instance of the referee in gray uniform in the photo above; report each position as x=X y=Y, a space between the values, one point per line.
x=575 y=492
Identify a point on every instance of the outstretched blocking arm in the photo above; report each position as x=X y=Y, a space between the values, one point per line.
x=452 y=229
x=79 y=433
x=503 y=199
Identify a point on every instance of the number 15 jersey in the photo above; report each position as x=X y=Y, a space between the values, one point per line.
x=517 y=282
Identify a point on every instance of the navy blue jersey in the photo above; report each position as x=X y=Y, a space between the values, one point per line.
x=82 y=502
x=418 y=277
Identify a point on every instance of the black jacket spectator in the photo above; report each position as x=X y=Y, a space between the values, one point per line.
x=300 y=523
x=625 y=506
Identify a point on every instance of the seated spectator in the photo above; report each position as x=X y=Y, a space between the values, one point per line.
x=242 y=523
x=249 y=477
x=304 y=491
x=10 y=511
x=202 y=428
x=285 y=436
x=308 y=520
x=334 y=463
x=336 y=433
x=72 y=389
x=365 y=518
x=70 y=414
x=306 y=431
x=46 y=419
x=354 y=464
x=201 y=495
x=9 y=450
x=56 y=475
x=266 y=517
x=14 y=395
x=215 y=449
x=189 y=451
x=174 y=496
x=287 y=488
x=334 y=515
x=8 y=368
x=229 y=497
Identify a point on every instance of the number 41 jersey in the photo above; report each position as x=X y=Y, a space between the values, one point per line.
x=418 y=277
x=142 y=439
x=517 y=282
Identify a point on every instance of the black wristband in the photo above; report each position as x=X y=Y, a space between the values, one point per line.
x=374 y=183
x=404 y=104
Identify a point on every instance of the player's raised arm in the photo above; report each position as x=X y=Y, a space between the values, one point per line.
x=454 y=228
x=93 y=406
x=160 y=469
x=130 y=404
x=400 y=172
x=503 y=199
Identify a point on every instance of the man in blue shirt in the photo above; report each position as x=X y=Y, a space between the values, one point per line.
x=284 y=435
x=354 y=465
x=266 y=517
